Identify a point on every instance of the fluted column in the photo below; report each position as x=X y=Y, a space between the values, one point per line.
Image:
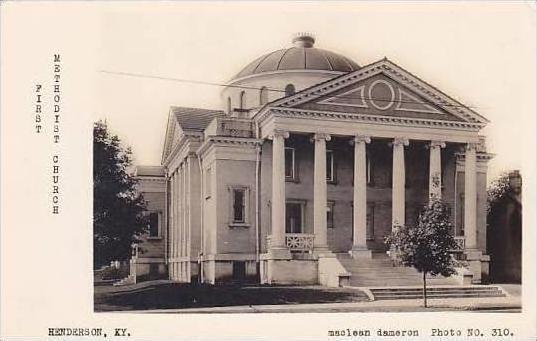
x=359 y=242
x=470 y=197
x=435 y=169
x=398 y=182
x=319 y=192
x=278 y=189
x=171 y=231
x=177 y=222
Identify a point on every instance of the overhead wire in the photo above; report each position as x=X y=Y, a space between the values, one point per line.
x=181 y=80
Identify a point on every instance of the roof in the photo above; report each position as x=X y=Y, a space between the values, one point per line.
x=303 y=56
x=195 y=118
x=149 y=171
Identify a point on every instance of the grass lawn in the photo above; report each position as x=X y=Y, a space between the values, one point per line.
x=162 y=295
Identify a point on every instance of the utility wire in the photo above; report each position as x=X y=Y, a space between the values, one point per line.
x=180 y=80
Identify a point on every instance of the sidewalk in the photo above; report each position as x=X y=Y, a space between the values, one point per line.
x=505 y=304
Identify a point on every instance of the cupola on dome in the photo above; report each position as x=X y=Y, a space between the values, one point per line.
x=302 y=56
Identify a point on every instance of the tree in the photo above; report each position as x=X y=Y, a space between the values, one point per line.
x=427 y=245
x=118 y=218
x=500 y=191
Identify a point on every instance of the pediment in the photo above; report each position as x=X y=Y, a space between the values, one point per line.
x=173 y=134
x=380 y=95
x=384 y=89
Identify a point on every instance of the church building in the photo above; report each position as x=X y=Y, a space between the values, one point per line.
x=310 y=162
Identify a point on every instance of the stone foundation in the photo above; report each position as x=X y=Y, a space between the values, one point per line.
x=229 y=268
x=284 y=270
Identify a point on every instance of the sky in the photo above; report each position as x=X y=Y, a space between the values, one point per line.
x=480 y=53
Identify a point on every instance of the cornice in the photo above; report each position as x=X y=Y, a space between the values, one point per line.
x=373 y=119
x=186 y=138
x=228 y=141
x=480 y=156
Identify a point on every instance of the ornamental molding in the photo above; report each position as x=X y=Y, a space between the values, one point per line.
x=436 y=144
x=360 y=139
x=321 y=137
x=367 y=118
x=480 y=156
x=182 y=146
x=279 y=133
x=394 y=72
x=400 y=141
x=226 y=141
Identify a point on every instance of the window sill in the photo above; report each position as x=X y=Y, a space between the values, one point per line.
x=239 y=225
x=154 y=238
x=295 y=180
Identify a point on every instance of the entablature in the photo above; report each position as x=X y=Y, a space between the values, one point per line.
x=351 y=124
x=226 y=147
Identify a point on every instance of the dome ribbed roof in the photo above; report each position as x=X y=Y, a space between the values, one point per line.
x=303 y=56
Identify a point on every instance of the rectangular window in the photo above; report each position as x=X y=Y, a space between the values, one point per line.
x=330 y=214
x=294 y=217
x=330 y=166
x=208 y=185
x=153 y=224
x=239 y=214
x=239 y=198
x=290 y=170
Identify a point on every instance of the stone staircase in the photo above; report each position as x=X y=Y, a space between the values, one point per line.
x=437 y=292
x=379 y=271
x=384 y=281
x=125 y=281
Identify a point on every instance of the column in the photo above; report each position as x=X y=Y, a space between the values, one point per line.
x=398 y=182
x=435 y=170
x=359 y=243
x=182 y=226
x=177 y=222
x=470 y=197
x=171 y=246
x=278 y=190
x=319 y=192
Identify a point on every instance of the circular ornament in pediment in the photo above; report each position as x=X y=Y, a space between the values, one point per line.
x=381 y=94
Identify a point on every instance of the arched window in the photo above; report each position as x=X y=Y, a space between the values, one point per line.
x=229 y=105
x=263 y=96
x=242 y=100
x=289 y=90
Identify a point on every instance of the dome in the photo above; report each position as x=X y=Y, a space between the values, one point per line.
x=302 y=56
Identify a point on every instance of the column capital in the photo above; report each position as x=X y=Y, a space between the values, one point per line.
x=471 y=146
x=400 y=141
x=321 y=136
x=360 y=139
x=437 y=144
x=279 y=133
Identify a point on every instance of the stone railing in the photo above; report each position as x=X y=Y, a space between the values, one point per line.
x=296 y=241
x=460 y=240
x=299 y=241
x=234 y=127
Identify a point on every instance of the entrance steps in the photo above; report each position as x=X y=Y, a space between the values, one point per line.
x=379 y=271
x=474 y=291
x=125 y=281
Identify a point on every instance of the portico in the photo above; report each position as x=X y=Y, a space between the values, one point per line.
x=279 y=242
